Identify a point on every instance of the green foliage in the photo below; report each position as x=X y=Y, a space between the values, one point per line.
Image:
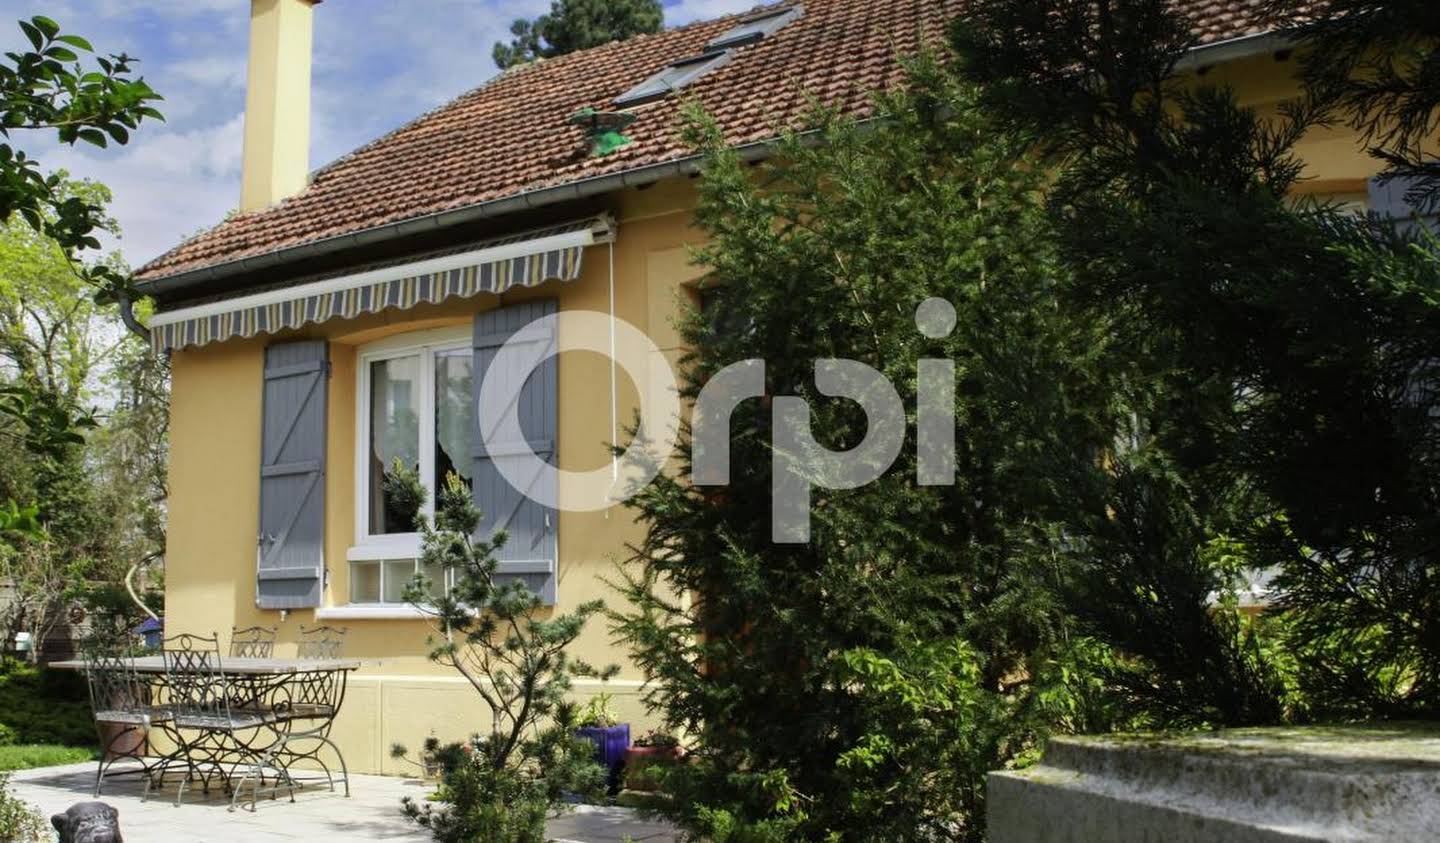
x=857 y=686
x=1376 y=65
x=1278 y=361
x=30 y=756
x=19 y=822
x=49 y=301
x=49 y=89
x=500 y=785
x=487 y=798
x=404 y=496
x=599 y=711
x=97 y=478
x=577 y=25
x=15 y=519
x=42 y=706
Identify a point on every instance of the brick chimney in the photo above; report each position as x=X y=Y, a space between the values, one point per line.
x=277 y=102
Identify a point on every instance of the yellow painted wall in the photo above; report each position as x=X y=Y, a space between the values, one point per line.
x=399 y=696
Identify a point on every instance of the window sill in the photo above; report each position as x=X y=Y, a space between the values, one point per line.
x=393 y=550
x=364 y=611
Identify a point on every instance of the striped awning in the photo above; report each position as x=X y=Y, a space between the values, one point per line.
x=493 y=266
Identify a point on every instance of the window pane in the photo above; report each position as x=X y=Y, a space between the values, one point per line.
x=397 y=576
x=436 y=573
x=454 y=417
x=364 y=582
x=394 y=434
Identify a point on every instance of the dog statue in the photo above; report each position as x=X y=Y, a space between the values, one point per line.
x=88 y=822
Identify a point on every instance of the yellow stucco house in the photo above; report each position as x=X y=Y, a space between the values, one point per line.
x=344 y=318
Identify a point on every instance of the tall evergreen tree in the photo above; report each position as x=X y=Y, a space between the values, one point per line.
x=1281 y=358
x=577 y=25
x=857 y=687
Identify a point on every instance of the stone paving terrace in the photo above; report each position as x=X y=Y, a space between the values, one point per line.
x=372 y=812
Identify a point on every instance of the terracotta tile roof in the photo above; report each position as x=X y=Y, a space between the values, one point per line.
x=512 y=135
x=1222 y=20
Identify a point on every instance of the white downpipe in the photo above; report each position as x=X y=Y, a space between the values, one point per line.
x=614 y=400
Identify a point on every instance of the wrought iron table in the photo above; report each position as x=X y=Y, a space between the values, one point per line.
x=278 y=716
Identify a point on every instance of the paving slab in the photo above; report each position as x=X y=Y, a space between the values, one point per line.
x=371 y=812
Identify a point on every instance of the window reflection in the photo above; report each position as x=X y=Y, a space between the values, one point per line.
x=454 y=417
x=394 y=436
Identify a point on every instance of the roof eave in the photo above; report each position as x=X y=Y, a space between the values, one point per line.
x=570 y=191
x=1233 y=49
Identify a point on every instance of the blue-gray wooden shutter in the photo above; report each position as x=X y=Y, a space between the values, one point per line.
x=1388 y=199
x=290 y=559
x=529 y=554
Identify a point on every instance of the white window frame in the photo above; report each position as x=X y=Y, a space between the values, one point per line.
x=426 y=344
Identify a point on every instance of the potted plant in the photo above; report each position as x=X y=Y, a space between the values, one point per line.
x=612 y=739
x=651 y=750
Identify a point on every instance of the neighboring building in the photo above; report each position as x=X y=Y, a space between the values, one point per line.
x=343 y=320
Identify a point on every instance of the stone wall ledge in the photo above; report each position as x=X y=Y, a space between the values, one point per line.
x=1352 y=783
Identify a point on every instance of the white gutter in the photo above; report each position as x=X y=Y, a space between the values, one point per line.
x=1235 y=49
x=445 y=263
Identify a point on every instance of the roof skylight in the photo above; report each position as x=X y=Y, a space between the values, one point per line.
x=755 y=28
x=672 y=78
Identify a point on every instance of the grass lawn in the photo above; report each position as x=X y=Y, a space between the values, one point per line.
x=44 y=717
x=25 y=756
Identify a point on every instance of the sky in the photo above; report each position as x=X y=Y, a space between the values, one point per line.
x=377 y=64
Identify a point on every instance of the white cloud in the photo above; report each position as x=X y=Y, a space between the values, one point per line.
x=167 y=184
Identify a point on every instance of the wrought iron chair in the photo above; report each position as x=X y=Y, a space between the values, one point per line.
x=305 y=707
x=321 y=642
x=211 y=732
x=123 y=707
x=254 y=642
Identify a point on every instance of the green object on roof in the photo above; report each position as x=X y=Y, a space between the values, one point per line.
x=604 y=128
x=607 y=142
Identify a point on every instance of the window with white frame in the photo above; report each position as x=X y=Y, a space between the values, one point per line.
x=415 y=414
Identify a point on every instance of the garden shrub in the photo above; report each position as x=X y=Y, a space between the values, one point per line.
x=43 y=706
x=500 y=785
x=20 y=823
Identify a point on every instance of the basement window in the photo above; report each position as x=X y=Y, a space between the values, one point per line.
x=672 y=78
x=755 y=28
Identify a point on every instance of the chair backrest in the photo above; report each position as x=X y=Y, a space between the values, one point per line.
x=321 y=642
x=194 y=675
x=114 y=686
x=254 y=642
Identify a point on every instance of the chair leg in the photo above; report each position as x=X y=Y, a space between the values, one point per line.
x=257 y=770
x=344 y=770
x=105 y=759
x=99 y=776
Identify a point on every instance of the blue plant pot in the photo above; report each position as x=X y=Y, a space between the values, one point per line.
x=611 y=742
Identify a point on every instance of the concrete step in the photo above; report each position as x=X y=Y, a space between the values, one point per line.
x=1368 y=783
